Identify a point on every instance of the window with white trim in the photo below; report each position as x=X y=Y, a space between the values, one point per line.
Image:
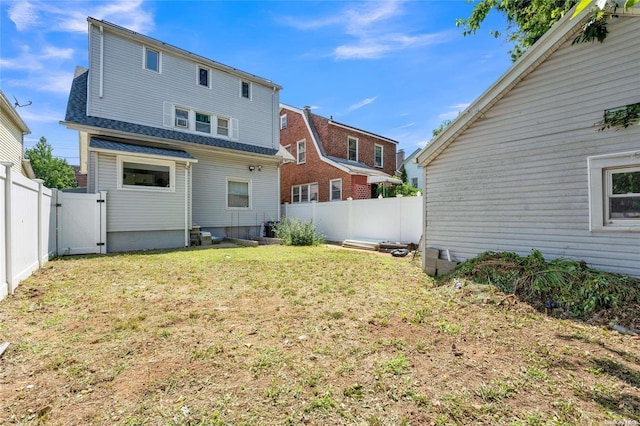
x=189 y=119
x=223 y=126
x=304 y=193
x=301 y=151
x=352 y=148
x=336 y=189
x=614 y=192
x=204 y=76
x=238 y=193
x=245 y=89
x=283 y=121
x=151 y=59
x=182 y=118
x=377 y=155
x=138 y=173
x=203 y=123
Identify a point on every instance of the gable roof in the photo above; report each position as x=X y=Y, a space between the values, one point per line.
x=550 y=42
x=8 y=109
x=150 y=41
x=76 y=117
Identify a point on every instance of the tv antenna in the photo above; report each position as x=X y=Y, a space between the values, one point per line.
x=17 y=104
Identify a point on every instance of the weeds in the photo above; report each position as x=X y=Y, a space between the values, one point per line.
x=293 y=232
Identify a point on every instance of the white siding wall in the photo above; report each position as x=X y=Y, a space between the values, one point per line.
x=133 y=210
x=517 y=179
x=414 y=171
x=136 y=95
x=10 y=143
x=210 y=190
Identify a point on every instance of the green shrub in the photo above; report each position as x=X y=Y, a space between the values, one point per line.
x=561 y=282
x=293 y=232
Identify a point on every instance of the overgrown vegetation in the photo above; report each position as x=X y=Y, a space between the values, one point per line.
x=559 y=283
x=294 y=232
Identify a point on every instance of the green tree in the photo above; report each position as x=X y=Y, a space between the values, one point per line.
x=443 y=125
x=55 y=172
x=403 y=174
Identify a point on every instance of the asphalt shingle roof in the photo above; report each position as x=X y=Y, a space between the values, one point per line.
x=76 y=113
x=138 y=149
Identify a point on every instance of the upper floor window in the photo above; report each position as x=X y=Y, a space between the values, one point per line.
x=283 y=121
x=223 y=126
x=302 y=151
x=245 y=89
x=203 y=76
x=203 y=123
x=377 y=155
x=614 y=192
x=152 y=59
x=182 y=118
x=352 y=149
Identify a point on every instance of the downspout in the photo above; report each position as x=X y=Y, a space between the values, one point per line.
x=273 y=123
x=7 y=226
x=101 y=94
x=186 y=204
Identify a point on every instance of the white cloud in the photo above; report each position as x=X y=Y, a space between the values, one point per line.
x=455 y=111
x=362 y=103
x=33 y=114
x=404 y=126
x=23 y=14
x=55 y=82
x=30 y=61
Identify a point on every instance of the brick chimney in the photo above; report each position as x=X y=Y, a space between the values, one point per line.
x=399 y=158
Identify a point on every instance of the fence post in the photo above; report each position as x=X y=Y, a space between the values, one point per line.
x=103 y=222
x=8 y=183
x=40 y=183
x=350 y=220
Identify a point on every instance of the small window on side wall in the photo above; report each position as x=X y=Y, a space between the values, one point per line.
x=352 y=148
x=152 y=59
x=245 y=89
x=336 y=189
x=302 y=151
x=203 y=77
x=283 y=121
x=377 y=155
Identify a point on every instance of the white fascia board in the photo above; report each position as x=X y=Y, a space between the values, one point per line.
x=315 y=142
x=529 y=61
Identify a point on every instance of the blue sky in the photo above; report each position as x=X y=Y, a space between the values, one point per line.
x=395 y=68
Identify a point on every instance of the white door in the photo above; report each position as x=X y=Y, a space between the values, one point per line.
x=82 y=223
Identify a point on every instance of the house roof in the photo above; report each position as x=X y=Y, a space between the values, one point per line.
x=12 y=113
x=412 y=157
x=76 y=116
x=96 y=143
x=551 y=41
x=181 y=52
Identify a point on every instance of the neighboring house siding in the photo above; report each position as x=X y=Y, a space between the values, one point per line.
x=517 y=179
x=414 y=171
x=131 y=93
x=11 y=143
x=210 y=190
x=133 y=210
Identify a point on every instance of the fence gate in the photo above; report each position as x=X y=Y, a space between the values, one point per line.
x=82 y=223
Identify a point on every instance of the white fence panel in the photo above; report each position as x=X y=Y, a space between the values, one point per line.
x=4 y=287
x=386 y=219
x=24 y=229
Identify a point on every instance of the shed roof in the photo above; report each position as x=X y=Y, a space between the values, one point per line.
x=97 y=143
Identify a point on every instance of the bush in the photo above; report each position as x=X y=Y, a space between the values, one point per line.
x=293 y=232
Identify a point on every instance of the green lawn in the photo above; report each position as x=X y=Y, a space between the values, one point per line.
x=285 y=335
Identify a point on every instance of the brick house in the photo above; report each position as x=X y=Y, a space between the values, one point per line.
x=333 y=161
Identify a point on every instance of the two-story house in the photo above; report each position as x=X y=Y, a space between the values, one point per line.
x=333 y=161
x=414 y=170
x=176 y=140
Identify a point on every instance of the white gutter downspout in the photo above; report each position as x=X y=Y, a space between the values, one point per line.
x=186 y=204
x=7 y=226
x=101 y=94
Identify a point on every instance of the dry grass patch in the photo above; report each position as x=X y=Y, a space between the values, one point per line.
x=284 y=335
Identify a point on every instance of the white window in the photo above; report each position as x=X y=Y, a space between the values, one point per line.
x=182 y=118
x=223 y=126
x=352 y=148
x=203 y=76
x=238 y=193
x=614 y=192
x=151 y=59
x=304 y=193
x=336 y=189
x=245 y=89
x=138 y=173
x=301 y=151
x=377 y=155
x=283 y=121
x=203 y=123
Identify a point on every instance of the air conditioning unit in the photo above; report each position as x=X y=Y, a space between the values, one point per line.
x=182 y=122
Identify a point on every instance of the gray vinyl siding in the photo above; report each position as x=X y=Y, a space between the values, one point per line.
x=517 y=179
x=11 y=143
x=132 y=210
x=210 y=190
x=134 y=94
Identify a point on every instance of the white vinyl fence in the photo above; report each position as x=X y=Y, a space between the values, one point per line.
x=27 y=231
x=378 y=219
